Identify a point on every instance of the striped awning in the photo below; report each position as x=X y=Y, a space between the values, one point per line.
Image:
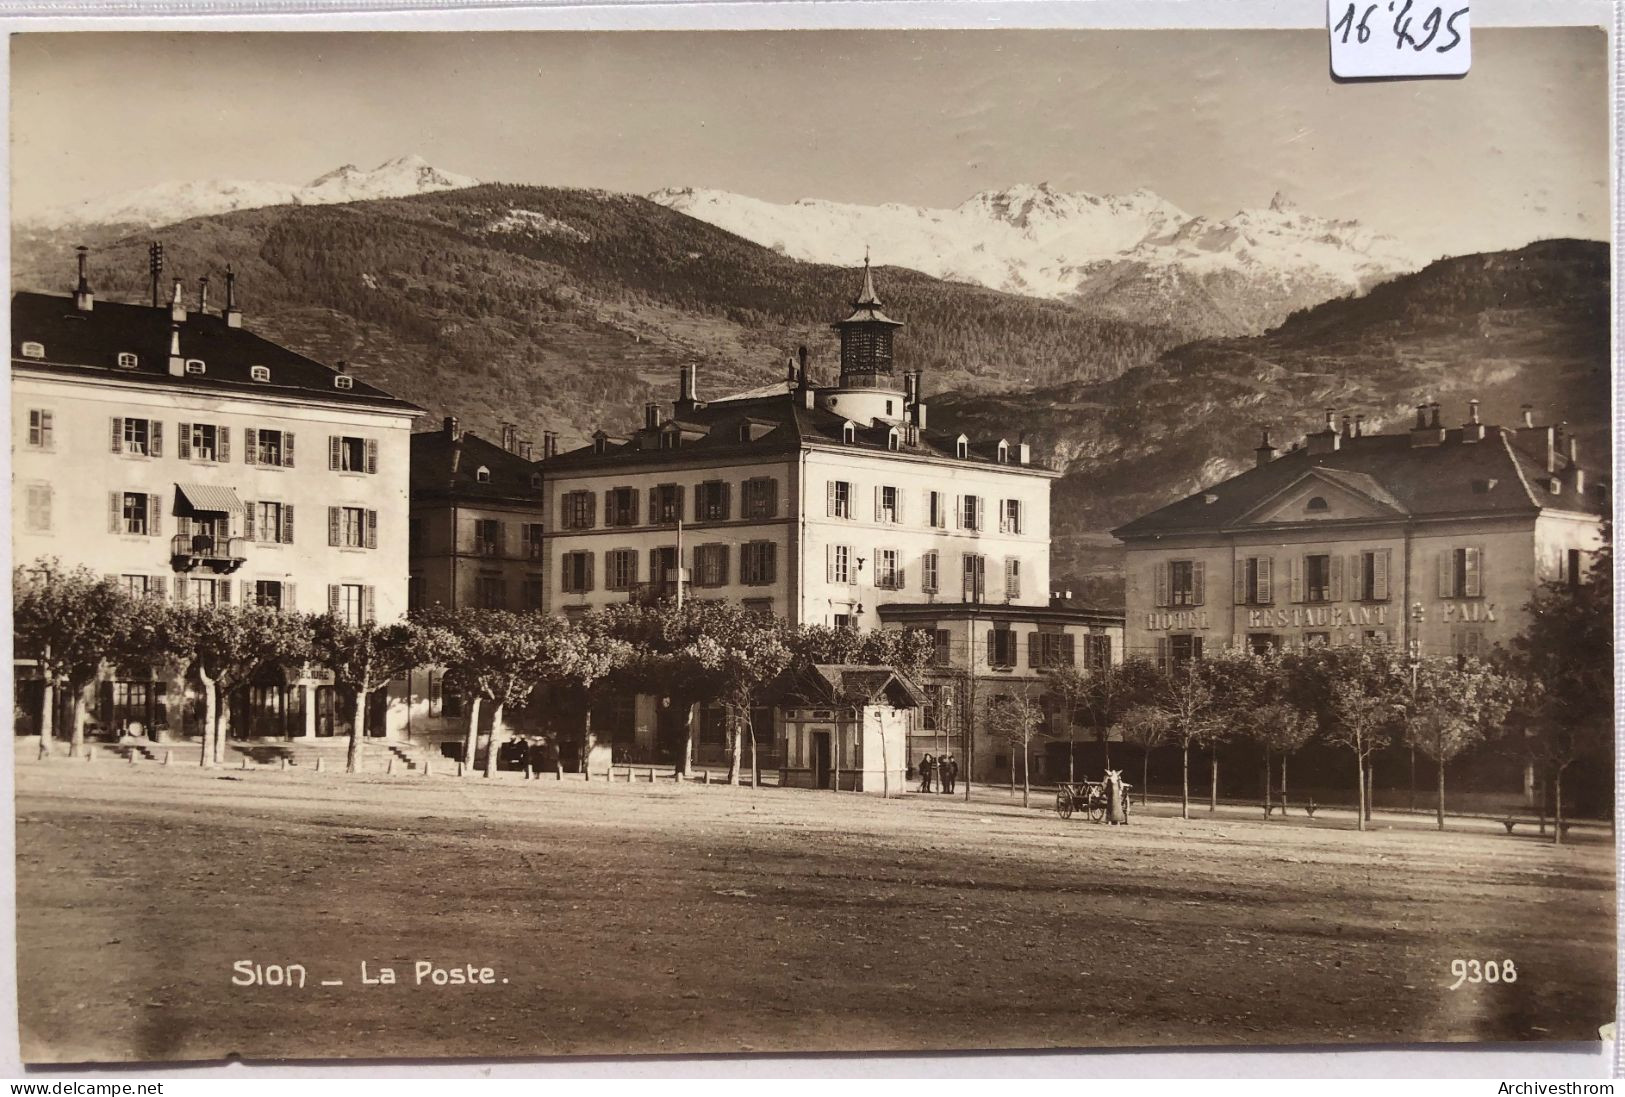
x=209 y=498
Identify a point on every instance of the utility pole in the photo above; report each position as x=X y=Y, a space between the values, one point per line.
x=977 y=578
x=679 y=568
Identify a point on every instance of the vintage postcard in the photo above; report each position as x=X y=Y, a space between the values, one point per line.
x=573 y=543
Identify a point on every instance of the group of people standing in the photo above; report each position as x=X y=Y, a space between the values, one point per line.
x=938 y=774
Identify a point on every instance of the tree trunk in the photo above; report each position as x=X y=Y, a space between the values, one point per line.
x=1557 y=805
x=47 y=714
x=1071 y=750
x=1283 y=786
x=76 y=742
x=1441 y=793
x=1213 y=786
x=1542 y=784
x=1026 y=783
x=1359 y=808
x=734 y=748
x=1185 y=780
x=471 y=734
x=756 y=765
x=685 y=758
x=589 y=739
x=358 y=728
x=1370 y=789
x=1145 y=775
x=1269 y=793
x=222 y=723
x=498 y=734
x=210 y=703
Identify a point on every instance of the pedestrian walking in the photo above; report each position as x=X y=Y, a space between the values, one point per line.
x=950 y=773
x=928 y=770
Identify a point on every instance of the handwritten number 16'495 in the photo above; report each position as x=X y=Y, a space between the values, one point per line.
x=1432 y=24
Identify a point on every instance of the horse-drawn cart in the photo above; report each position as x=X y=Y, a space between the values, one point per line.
x=1091 y=798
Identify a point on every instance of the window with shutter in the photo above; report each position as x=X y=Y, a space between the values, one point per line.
x=183 y=442
x=1161 y=580
x=118 y=434
x=222 y=443
x=251 y=446
x=1198 y=583
x=287 y=449
x=154 y=516
x=287 y=523
x=1472 y=575
x=334 y=444
x=334 y=526
x=928 y=573
x=155 y=444
x=1335 y=562
x=369 y=604
x=372 y=529
x=249 y=507
x=372 y=455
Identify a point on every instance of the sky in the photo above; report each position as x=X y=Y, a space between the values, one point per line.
x=1214 y=121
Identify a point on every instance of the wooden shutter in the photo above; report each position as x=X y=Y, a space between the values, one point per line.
x=654 y=506
x=829 y=505
x=1069 y=649
x=591 y=559
x=1241 y=580
x=333 y=593
x=1196 y=647
x=183 y=525
x=183 y=442
x=222 y=591
x=1335 y=563
x=155 y=438
x=1035 y=653
x=287 y=449
x=180 y=588
x=251 y=444
x=721 y=552
x=897 y=505
x=879 y=495
x=1162 y=582
x=654 y=565
x=592 y=512
x=371 y=447
x=247 y=597
x=118 y=434
x=372 y=531
x=980 y=522
x=1266 y=576
x=115 y=512
x=1295 y=577
x=287 y=523
x=609 y=508
x=1004 y=518
x=157 y=589
x=290 y=603
x=222 y=443
x=770 y=488
x=727 y=501
x=500 y=528
x=1447 y=562
x=902 y=574
x=1472 y=580
x=154 y=516
x=1198 y=583
x=992 y=652
x=248 y=522
x=369 y=604
x=1380 y=568
x=770 y=558
x=333 y=530
x=959 y=512
x=333 y=444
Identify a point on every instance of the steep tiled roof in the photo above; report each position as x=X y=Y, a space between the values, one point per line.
x=444 y=466
x=848 y=684
x=1501 y=475
x=790 y=426
x=76 y=340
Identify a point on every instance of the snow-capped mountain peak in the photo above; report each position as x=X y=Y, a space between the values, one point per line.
x=1035 y=239
x=166 y=203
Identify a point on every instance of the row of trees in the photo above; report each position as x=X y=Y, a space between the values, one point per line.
x=1548 y=700
x=72 y=621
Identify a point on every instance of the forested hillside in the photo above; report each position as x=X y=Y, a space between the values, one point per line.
x=568 y=309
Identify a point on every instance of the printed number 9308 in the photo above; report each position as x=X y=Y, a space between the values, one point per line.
x=1487 y=971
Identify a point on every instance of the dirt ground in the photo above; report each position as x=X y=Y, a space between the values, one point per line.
x=623 y=919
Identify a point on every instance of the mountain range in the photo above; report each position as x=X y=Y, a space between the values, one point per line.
x=1135 y=256
x=167 y=203
x=568 y=309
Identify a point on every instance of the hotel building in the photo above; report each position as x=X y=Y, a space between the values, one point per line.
x=195 y=461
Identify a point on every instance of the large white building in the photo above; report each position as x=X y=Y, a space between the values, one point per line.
x=194 y=460
x=833 y=505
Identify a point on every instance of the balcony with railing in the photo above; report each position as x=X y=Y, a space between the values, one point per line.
x=222 y=555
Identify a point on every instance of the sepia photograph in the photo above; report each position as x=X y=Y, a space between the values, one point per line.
x=535 y=545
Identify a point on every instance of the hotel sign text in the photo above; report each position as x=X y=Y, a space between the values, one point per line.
x=1317 y=616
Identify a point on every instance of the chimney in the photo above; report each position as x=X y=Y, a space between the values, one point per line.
x=1573 y=450
x=1421 y=417
x=177 y=364
x=550 y=444
x=1433 y=409
x=233 y=315
x=801 y=370
x=449 y=423
x=919 y=398
x=1577 y=477
x=908 y=390
x=1359 y=426
x=651 y=416
x=83 y=299
x=203 y=295
x=1347 y=431
x=510 y=437
x=155 y=267
x=687 y=388
x=1472 y=430
x=1024 y=451
x=177 y=307
x=1265 y=452
x=1528 y=416
x=790 y=371
x=1327 y=440
x=1551 y=434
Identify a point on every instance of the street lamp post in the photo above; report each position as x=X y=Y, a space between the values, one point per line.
x=1414 y=652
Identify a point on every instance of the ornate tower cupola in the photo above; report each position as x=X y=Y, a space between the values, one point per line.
x=866 y=341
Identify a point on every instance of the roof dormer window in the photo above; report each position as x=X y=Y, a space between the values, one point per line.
x=849 y=433
x=1004 y=452
x=259 y=373
x=33 y=350
x=892 y=440
x=482 y=474
x=195 y=367
x=536 y=480
x=962 y=447
x=343 y=381
x=128 y=360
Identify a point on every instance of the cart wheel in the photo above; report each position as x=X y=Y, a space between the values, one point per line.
x=1063 y=804
x=1097 y=809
